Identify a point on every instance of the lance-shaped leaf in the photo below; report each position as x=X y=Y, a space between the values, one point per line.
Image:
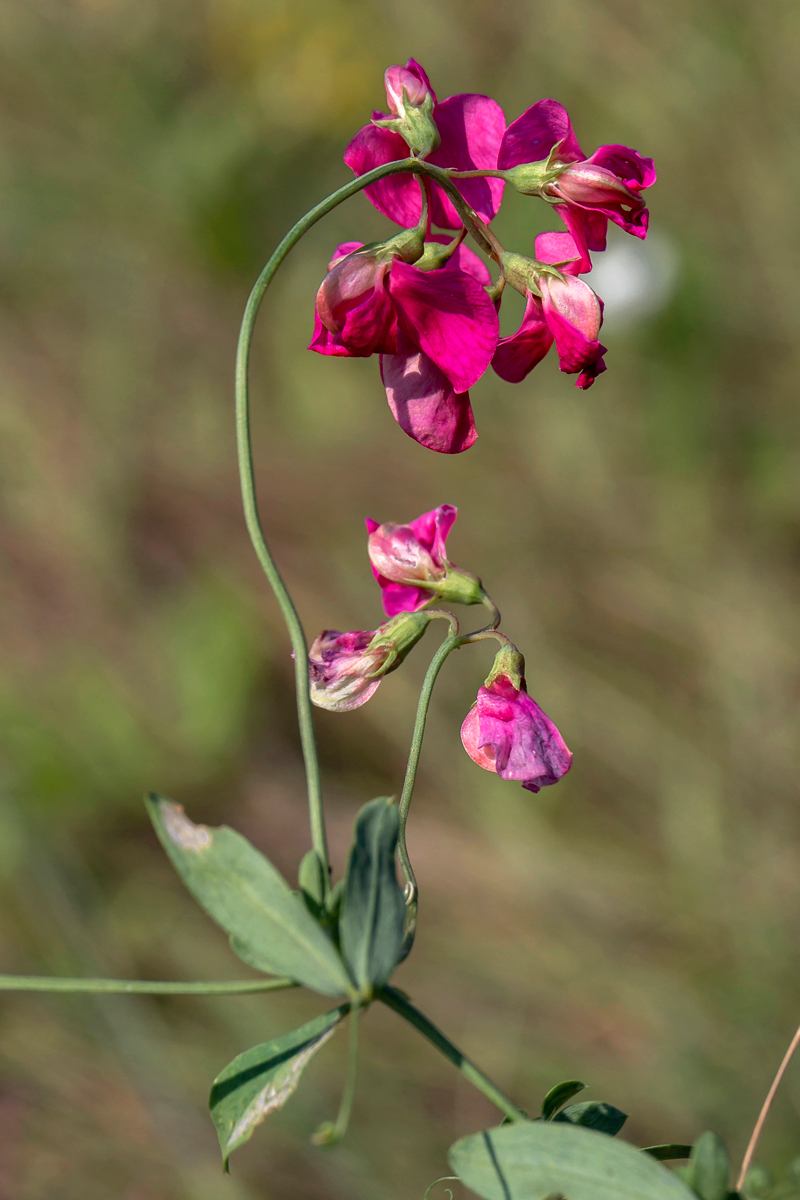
x=558 y=1095
x=261 y=1080
x=373 y=909
x=594 y=1114
x=269 y=925
x=533 y=1159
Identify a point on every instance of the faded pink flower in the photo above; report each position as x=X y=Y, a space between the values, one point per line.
x=345 y=669
x=593 y=191
x=411 y=566
x=505 y=731
x=436 y=331
x=567 y=312
x=470 y=128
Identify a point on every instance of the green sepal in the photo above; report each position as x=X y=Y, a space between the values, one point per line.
x=594 y=1114
x=558 y=1095
x=269 y=925
x=708 y=1169
x=533 y=1159
x=372 y=915
x=261 y=1080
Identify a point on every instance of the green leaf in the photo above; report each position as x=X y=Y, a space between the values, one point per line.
x=261 y=1080
x=594 y=1114
x=269 y=925
x=708 y=1169
x=373 y=909
x=558 y=1095
x=534 y=1159
x=668 y=1151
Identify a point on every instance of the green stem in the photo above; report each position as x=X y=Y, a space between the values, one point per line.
x=396 y=1001
x=489 y=244
x=437 y=662
x=232 y=987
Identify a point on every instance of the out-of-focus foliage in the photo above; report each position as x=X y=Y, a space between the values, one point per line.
x=639 y=924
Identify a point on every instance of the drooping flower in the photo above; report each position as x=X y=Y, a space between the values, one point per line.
x=345 y=669
x=589 y=192
x=507 y=732
x=566 y=311
x=470 y=129
x=436 y=330
x=411 y=565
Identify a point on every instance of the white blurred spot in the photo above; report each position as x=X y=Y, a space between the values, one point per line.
x=634 y=279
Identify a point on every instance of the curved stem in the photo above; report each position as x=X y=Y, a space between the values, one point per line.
x=766 y=1106
x=396 y=1001
x=437 y=662
x=233 y=987
x=489 y=244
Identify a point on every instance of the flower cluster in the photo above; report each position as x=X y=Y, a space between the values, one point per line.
x=505 y=731
x=423 y=301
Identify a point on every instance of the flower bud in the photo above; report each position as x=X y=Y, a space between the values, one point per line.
x=345 y=668
x=411 y=100
x=505 y=731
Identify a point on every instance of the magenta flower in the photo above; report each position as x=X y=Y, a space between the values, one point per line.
x=470 y=128
x=345 y=669
x=593 y=191
x=411 y=566
x=505 y=731
x=567 y=312
x=435 y=329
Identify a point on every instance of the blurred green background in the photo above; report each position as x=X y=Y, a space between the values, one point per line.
x=638 y=925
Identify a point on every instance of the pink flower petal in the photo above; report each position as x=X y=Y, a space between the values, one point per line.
x=431 y=531
x=507 y=732
x=518 y=354
x=325 y=342
x=424 y=403
x=632 y=168
x=397 y=197
x=413 y=79
x=450 y=316
x=559 y=248
x=574 y=314
x=532 y=136
x=471 y=128
x=588 y=230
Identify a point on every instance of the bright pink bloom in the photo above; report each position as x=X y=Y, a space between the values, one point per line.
x=506 y=732
x=470 y=127
x=436 y=331
x=606 y=186
x=411 y=565
x=400 y=554
x=567 y=312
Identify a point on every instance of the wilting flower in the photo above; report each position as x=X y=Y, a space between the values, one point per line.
x=345 y=668
x=470 y=129
x=410 y=563
x=436 y=331
x=588 y=192
x=506 y=732
x=566 y=311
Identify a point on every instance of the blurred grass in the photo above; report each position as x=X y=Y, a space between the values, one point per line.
x=637 y=926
